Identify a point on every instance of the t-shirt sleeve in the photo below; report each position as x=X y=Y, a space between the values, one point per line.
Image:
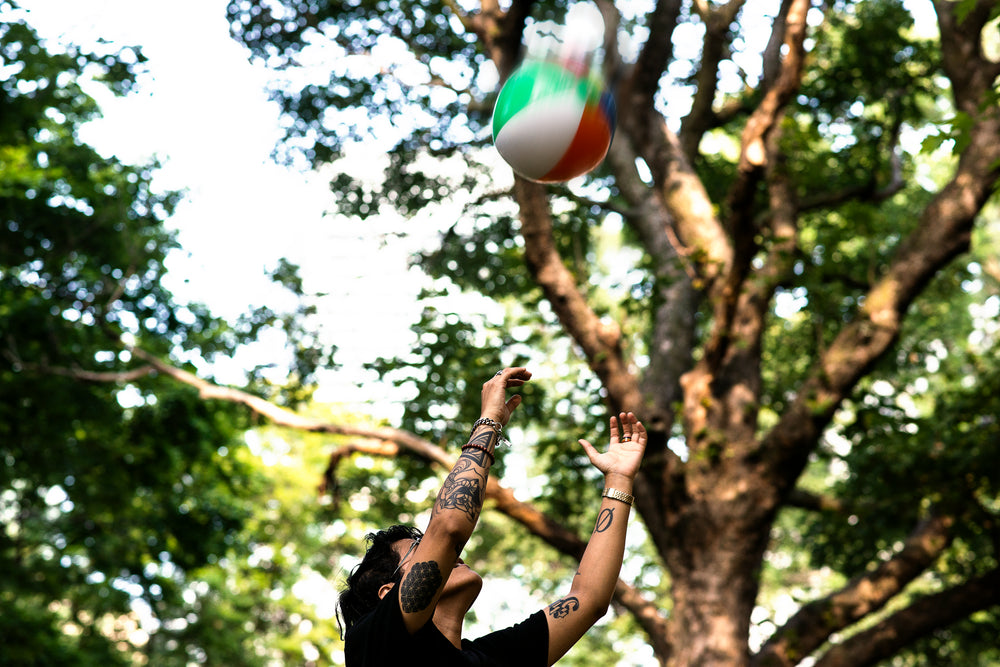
x=525 y=644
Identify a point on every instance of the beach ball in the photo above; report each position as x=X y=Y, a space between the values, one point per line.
x=553 y=122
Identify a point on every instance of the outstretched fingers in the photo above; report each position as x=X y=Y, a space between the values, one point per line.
x=632 y=428
x=640 y=432
x=495 y=403
x=512 y=377
x=628 y=424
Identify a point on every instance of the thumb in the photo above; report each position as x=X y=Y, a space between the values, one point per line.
x=590 y=450
x=514 y=401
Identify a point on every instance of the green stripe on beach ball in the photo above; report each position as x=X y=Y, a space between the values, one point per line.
x=531 y=82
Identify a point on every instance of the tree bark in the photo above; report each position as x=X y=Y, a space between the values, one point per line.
x=720 y=523
x=600 y=340
x=813 y=625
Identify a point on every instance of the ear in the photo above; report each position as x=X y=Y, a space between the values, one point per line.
x=382 y=592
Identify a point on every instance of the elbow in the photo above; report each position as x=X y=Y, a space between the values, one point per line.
x=598 y=611
x=591 y=614
x=593 y=607
x=451 y=529
x=458 y=533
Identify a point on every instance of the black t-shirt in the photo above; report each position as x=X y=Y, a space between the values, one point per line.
x=380 y=639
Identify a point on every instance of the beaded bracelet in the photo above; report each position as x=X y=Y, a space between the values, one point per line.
x=471 y=445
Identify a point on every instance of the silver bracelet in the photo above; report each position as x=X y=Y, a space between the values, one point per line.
x=615 y=494
x=496 y=426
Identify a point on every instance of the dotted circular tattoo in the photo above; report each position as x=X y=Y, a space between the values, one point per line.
x=419 y=586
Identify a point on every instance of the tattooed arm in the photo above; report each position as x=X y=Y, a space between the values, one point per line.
x=590 y=594
x=456 y=510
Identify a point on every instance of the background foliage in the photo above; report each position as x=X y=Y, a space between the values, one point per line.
x=144 y=524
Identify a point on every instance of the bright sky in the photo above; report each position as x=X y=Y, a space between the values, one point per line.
x=203 y=111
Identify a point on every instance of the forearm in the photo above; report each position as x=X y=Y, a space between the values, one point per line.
x=595 y=580
x=457 y=506
x=460 y=500
x=594 y=584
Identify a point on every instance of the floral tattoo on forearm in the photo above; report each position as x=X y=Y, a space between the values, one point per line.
x=465 y=487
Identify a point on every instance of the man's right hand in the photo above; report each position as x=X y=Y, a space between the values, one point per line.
x=496 y=406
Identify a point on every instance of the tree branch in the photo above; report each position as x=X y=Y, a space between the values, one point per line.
x=717 y=29
x=692 y=214
x=867 y=192
x=771 y=57
x=656 y=53
x=280 y=416
x=562 y=190
x=613 y=67
x=467 y=22
x=763 y=120
x=673 y=319
x=815 y=502
x=111 y=377
x=649 y=618
x=330 y=484
x=601 y=341
x=919 y=619
x=962 y=58
x=812 y=625
x=721 y=391
x=501 y=32
x=943 y=232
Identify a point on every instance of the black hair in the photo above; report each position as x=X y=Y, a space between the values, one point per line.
x=376 y=569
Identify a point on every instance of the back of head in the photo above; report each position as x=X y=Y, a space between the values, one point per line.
x=376 y=569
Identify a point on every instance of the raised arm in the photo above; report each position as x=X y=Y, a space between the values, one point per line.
x=459 y=502
x=590 y=594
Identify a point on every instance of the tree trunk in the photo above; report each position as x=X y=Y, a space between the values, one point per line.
x=714 y=568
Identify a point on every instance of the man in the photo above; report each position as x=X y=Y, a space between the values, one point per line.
x=406 y=602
